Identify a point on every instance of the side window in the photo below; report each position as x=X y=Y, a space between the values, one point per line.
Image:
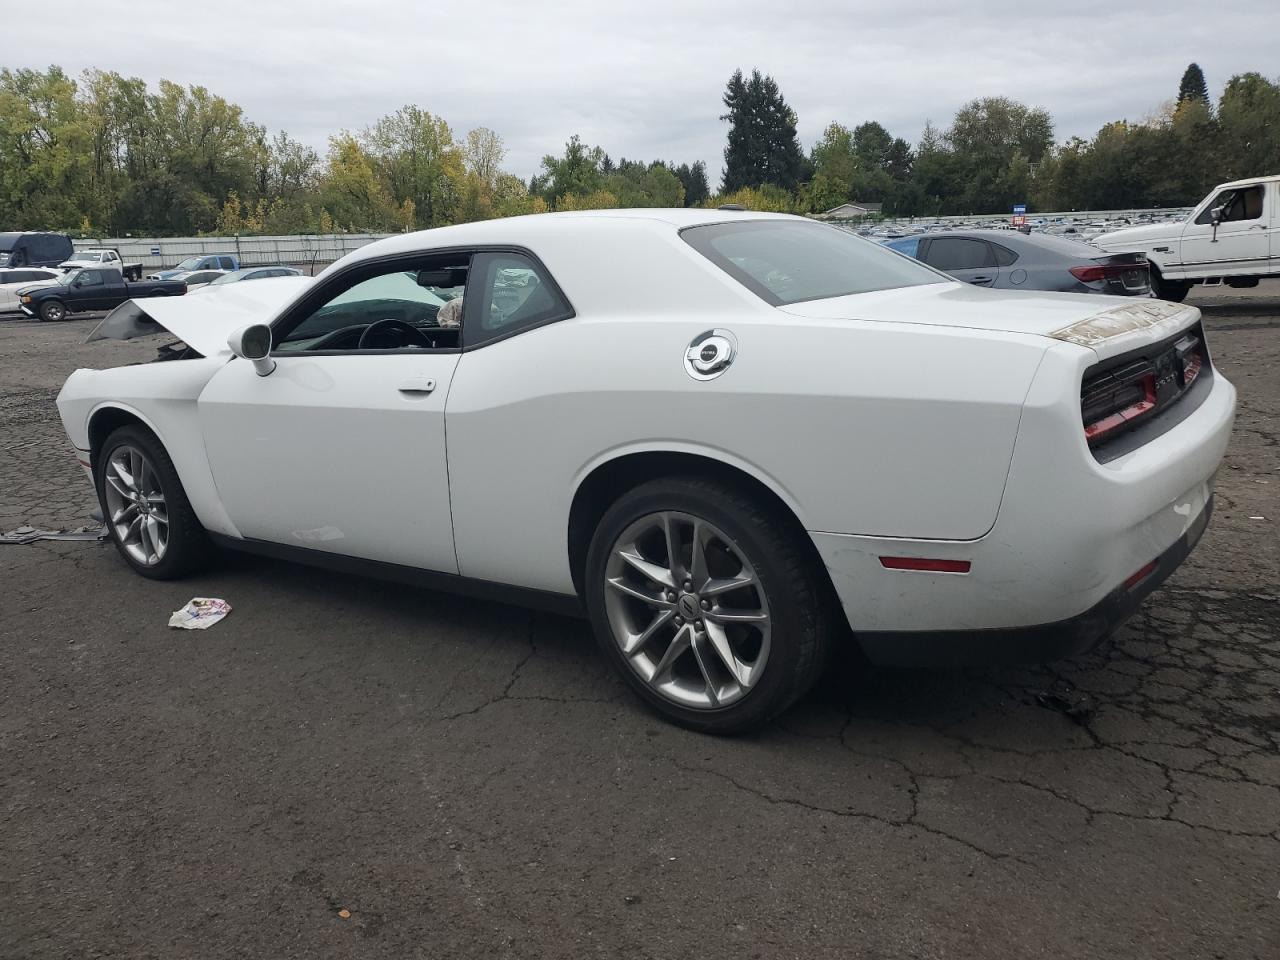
x=223 y=263
x=381 y=307
x=89 y=278
x=510 y=293
x=1243 y=203
x=959 y=253
x=909 y=245
x=1004 y=256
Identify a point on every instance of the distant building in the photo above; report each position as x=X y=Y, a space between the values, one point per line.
x=855 y=209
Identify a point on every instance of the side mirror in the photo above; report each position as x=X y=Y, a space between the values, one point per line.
x=254 y=344
x=1217 y=213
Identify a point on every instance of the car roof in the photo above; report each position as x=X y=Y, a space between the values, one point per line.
x=531 y=228
x=1249 y=181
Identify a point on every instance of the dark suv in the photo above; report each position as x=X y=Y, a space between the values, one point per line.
x=34 y=249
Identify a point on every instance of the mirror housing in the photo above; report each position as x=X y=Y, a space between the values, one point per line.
x=253 y=343
x=1216 y=213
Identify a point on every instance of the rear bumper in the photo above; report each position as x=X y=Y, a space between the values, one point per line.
x=1047 y=579
x=1035 y=644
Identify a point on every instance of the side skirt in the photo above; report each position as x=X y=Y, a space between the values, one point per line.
x=568 y=605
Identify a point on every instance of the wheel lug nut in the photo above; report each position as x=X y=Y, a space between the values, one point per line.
x=679 y=621
x=688 y=585
x=706 y=604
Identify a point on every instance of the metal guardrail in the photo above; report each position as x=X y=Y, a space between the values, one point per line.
x=1160 y=213
x=298 y=251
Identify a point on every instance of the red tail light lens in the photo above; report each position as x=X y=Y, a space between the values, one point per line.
x=1103 y=271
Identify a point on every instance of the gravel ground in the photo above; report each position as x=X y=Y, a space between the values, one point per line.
x=347 y=768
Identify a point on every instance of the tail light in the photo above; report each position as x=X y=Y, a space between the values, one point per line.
x=1103 y=271
x=1115 y=399
x=1123 y=396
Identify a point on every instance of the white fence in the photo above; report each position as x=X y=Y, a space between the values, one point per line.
x=299 y=251
x=1069 y=216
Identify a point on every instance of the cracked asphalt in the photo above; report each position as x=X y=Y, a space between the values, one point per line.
x=354 y=769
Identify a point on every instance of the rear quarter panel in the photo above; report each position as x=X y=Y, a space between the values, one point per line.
x=861 y=427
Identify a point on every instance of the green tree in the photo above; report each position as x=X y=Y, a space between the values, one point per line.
x=415 y=157
x=579 y=171
x=763 y=148
x=693 y=177
x=1193 y=86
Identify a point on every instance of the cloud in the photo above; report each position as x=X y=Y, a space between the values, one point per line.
x=644 y=80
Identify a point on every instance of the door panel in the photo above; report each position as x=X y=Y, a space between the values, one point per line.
x=1237 y=246
x=329 y=453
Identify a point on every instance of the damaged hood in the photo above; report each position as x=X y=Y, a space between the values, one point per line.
x=202 y=323
x=1107 y=325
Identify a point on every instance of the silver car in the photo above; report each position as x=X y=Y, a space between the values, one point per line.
x=1011 y=260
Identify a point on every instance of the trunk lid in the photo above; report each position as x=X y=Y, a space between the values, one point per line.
x=1108 y=325
x=202 y=323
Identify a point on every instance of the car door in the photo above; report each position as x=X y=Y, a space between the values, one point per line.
x=88 y=291
x=341 y=448
x=965 y=258
x=1240 y=243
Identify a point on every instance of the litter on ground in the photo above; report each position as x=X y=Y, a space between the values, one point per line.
x=200 y=613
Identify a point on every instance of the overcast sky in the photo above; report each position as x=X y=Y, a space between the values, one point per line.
x=644 y=80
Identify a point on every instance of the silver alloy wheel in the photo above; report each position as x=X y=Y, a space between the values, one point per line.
x=687 y=610
x=136 y=507
x=54 y=312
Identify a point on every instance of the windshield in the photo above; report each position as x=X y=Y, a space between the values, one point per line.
x=789 y=261
x=227 y=278
x=190 y=263
x=7 y=241
x=89 y=256
x=66 y=278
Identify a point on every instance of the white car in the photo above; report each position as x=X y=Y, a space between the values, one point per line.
x=1232 y=236
x=199 y=279
x=732 y=438
x=13 y=279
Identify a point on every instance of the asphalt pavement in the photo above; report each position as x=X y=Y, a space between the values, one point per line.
x=346 y=768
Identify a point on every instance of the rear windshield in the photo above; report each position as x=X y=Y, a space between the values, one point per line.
x=789 y=261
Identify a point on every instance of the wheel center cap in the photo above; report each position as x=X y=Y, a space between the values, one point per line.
x=688 y=606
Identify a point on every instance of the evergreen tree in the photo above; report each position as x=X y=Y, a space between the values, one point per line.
x=1193 y=86
x=694 y=179
x=763 y=148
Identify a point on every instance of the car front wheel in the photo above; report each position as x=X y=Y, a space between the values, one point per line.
x=53 y=310
x=707 y=602
x=146 y=510
x=1173 y=290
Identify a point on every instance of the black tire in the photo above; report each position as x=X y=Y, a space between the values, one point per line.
x=53 y=311
x=189 y=548
x=794 y=586
x=1175 y=291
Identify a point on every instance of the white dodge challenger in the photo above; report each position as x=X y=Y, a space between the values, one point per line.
x=732 y=439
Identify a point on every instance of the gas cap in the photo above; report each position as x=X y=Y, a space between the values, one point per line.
x=710 y=354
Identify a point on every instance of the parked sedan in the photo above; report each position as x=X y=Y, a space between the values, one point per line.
x=253 y=273
x=1012 y=260
x=13 y=280
x=807 y=440
x=197 y=279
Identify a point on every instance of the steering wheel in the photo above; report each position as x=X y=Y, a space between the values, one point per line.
x=406 y=334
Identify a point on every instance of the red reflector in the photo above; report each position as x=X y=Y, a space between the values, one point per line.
x=1138 y=576
x=929 y=564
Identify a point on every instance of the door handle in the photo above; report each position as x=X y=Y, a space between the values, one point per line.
x=417 y=385
x=979 y=281
x=1258 y=226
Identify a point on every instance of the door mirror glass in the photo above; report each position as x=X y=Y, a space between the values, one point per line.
x=1217 y=212
x=254 y=344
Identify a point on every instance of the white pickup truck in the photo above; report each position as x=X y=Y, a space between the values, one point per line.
x=1232 y=237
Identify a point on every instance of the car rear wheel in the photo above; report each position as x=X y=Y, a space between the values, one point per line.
x=707 y=603
x=1173 y=290
x=53 y=310
x=148 y=515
